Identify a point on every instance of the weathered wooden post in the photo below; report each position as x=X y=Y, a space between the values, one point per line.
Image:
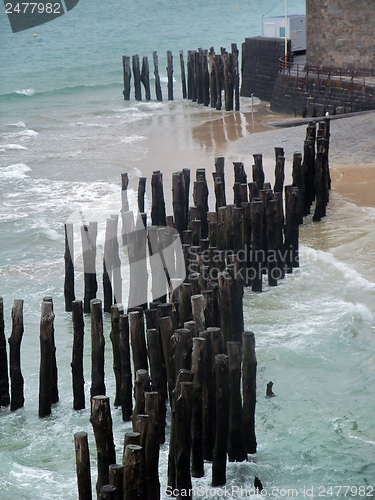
x=77 y=357
x=138 y=341
x=225 y=305
x=183 y=78
x=249 y=370
x=197 y=306
x=101 y=422
x=97 y=349
x=170 y=75
x=127 y=77
x=197 y=462
x=69 y=267
x=114 y=335
x=236 y=440
x=83 y=466
x=137 y=78
x=108 y=265
x=219 y=79
x=212 y=77
x=16 y=379
x=236 y=77
x=228 y=80
x=142 y=384
x=292 y=218
x=200 y=195
x=257 y=244
x=132 y=462
x=158 y=377
x=178 y=201
x=141 y=194
x=116 y=479
x=166 y=328
x=126 y=373
x=157 y=199
x=299 y=180
x=4 y=378
x=222 y=420
x=205 y=78
x=236 y=299
x=159 y=95
x=89 y=233
x=279 y=171
x=183 y=413
x=141 y=425
x=45 y=370
x=107 y=492
x=272 y=250
x=152 y=445
x=54 y=373
x=145 y=77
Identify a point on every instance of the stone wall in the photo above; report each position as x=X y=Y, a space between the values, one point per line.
x=340 y=34
x=260 y=65
x=293 y=94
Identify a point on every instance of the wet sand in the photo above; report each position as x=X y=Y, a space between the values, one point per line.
x=356 y=183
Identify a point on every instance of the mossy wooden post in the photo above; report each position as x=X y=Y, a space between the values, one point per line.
x=141 y=194
x=158 y=92
x=4 y=378
x=132 y=462
x=256 y=244
x=45 y=370
x=69 y=267
x=152 y=445
x=116 y=479
x=222 y=420
x=249 y=371
x=89 y=234
x=101 y=422
x=138 y=341
x=158 y=378
x=183 y=376
x=137 y=78
x=142 y=384
x=83 y=466
x=166 y=328
x=197 y=305
x=170 y=75
x=236 y=77
x=77 y=357
x=183 y=78
x=114 y=335
x=183 y=413
x=236 y=440
x=17 y=399
x=127 y=77
x=145 y=77
x=97 y=349
x=258 y=172
x=197 y=462
x=126 y=399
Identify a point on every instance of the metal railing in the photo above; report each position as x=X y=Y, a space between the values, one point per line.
x=290 y=68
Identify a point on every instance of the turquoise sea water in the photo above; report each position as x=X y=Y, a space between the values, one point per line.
x=66 y=135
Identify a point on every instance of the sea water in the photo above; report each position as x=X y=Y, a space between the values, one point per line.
x=66 y=135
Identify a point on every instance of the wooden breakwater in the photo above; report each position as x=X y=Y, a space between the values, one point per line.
x=208 y=76
x=187 y=344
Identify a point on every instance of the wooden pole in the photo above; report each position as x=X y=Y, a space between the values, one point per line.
x=170 y=75
x=16 y=379
x=132 y=462
x=182 y=349
x=258 y=172
x=236 y=77
x=152 y=445
x=197 y=462
x=138 y=341
x=225 y=305
x=101 y=422
x=77 y=357
x=127 y=77
x=257 y=244
x=183 y=78
x=183 y=413
x=108 y=266
x=141 y=425
x=222 y=420
x=4 y=378
x=219 y=80
x=142 y=384
x=200 y=195
x=116 y=479
x=107 y=492
x=249 y=370
x=197 y=306
x=299 y=181
x=141 y=194
x=159 y=95
x=145 y=78
x=83 y=466
x=137 y=78
x=114 y=335
x=236 y=440
x=212 y=77
x=69 y=267
x=45 y=370
x=157 y=199
x=89 y=234
x=185 y=310
x=97 y=349
x=178 y=201
x=54 y=373
x=166 y=331
x=126 y=400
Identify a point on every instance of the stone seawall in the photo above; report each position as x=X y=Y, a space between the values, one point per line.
x=294 y=94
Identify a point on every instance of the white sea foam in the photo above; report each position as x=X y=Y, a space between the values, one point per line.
x=18 y=124
x=133 y=138
x=18 y=170
x=22 y=133
x=12 y=146
x=27 y=92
